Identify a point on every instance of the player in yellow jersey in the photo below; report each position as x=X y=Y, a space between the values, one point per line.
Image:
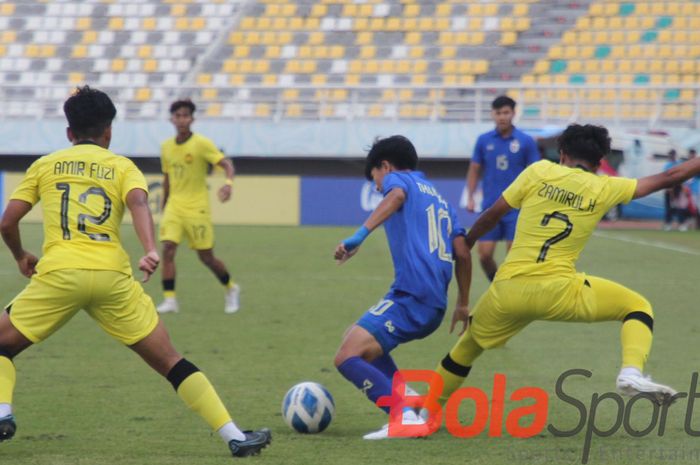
x=84 y=191
x=560 y=206
x=185 y=160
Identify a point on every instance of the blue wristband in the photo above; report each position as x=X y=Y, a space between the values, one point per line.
x=356 y=239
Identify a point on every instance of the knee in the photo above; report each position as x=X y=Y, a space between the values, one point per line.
x=643 y=313
x=341 y=356
x=169 y=251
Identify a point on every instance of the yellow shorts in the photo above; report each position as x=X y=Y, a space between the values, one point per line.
x=198 y=230
x=511 y=304
x=113 y=299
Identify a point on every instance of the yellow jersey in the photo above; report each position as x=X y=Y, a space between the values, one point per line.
x=187 y=165
x=83 y=191
x=559 y=210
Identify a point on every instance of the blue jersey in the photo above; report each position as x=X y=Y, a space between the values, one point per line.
x=502 y=160
x=420 y=238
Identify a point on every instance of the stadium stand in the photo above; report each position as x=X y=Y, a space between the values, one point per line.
x=343 y=59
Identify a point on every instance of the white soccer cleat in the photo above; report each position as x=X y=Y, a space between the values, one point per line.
x=168 y=305
x=632 y=385
x=233 y=299
x=409 y=418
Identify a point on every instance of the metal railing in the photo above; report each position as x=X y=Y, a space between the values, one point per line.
x=642 y=105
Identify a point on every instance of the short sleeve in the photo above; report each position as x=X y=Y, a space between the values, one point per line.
x=518 y=189
x=133 y=179
x=28 y=189
x=392 y=181
x=478 y=154
x=210 y=152
x=620 y=190
x=164 y=164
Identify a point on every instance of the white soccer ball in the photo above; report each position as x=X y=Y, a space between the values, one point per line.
x=308 y=407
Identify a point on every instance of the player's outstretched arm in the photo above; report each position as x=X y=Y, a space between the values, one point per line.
x=225 y=190
x=137 y=202
x=487 y=220
x=9 y=227
x=463 y=276
x=668 y=178
x=387 y=207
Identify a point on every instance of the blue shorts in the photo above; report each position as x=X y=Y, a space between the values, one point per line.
x=504 y=229
x=400 y=318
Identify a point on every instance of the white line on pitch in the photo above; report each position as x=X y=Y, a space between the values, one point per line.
x=657 y=244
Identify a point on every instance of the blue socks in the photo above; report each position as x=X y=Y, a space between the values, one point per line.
x=372 y=381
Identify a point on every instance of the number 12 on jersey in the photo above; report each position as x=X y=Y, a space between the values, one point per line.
x=83 y=217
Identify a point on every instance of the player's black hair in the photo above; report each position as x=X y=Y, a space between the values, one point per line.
x=588 y=143
x=184 y=103
x=89 y=112
x=502 y=101
x=397 y=150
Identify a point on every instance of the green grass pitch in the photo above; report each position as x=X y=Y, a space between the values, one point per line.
x=81 y=398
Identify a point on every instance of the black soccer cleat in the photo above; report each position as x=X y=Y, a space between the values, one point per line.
x=7 y=428
x=254 y=442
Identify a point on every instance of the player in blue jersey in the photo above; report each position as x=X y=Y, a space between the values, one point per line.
x=424 y=239
x=499 y=157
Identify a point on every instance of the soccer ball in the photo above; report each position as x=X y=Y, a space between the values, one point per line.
x=308 y=407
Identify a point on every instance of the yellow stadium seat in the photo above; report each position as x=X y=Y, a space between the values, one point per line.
x=599 y=22
x=364 y=38
x=279 y=24
x=569 y=38
x=443 y=9
x=611 y=8
x=241 y=51
x=319 y=10
x=527 y=79
x=89 y=37
x=316 y=38
x=556 y=51
x=76 y=78
x=318 y=80
x=236 y=79
x=337 y=51
x=209 y=94
x=247 y=22
x=508 y=38
x=118 y=65
x=541 y=67
x=583 y=22
x=448 y=52
x=269 y=79
x=596 y=9
x=7 y=9
x=350 y=9
x=413 y=38
x=352 y=79
x=521 y=9
x=262 y=110
x=213 y=109
x=116 y=23
x=476 y=24
x=273 y=51
x=416 y=52
x=304 y=51
x=203 y=79
x=411 y=10
x=477 y=38
x=369 y=51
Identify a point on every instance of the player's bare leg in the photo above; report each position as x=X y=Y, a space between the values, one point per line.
x=169 y=304
x=233 y=290
x=197 y=392
x=12 y=342
x=486 y=251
